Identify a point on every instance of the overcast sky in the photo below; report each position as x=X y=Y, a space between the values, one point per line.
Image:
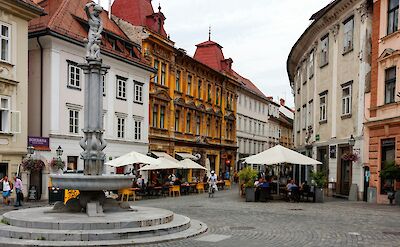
x=256 y=34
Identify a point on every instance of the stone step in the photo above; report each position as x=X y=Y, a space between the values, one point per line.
x=38 y=219
x=179 y=223
x=196 y=228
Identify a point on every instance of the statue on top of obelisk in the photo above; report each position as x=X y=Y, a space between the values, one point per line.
x=95 y=29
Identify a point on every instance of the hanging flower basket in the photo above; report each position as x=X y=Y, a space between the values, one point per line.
x=32 y=165
x=57 y=164
x=350 y=157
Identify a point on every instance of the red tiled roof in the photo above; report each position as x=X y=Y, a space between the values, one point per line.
x=210 y=53
x=249 y=85
x=68 y=18
x=140 y=13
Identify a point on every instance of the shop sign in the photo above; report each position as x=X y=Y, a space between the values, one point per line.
x=39 y=143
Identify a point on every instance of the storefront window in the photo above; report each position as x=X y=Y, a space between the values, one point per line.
x=387 y=156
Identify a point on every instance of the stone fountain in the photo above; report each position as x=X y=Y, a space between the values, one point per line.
x=93 y=182
x=94 y=220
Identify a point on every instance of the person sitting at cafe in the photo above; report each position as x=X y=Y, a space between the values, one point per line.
x=291 y=185
x=177 y=181
x=258 y=183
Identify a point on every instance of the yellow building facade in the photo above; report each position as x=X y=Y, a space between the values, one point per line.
x=192 y=106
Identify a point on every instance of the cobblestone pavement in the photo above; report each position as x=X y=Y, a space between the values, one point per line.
x=233 y=222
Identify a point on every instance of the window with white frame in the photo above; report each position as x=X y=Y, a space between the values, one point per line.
x=390 y=85
x=304 y=117
x=188 y=120
x=74 y=75
x=323 y=100
x=198 y=120
x=310 y=113
x=324 y=50
x=239 y=123
x=10 y=121
x=156 y=68
x=121 y=88
x=5 y=42
x=392 y=16
x=348 y=27
x=120 y=127
x=138 y=92
x=163 y=73
x=251 y=125
x=138 y=129
x=311 y=65
x=103 y=80
x=346 y=100
x=73 y=121
x=178 y=81
x=245 y=124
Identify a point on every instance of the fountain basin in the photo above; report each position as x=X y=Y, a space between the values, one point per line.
x=91 y=183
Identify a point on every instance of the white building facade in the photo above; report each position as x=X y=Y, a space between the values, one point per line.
x=329 y=69
x=125 y=102
x=257 y=124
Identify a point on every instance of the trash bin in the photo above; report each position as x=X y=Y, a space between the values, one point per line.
x=56 y=195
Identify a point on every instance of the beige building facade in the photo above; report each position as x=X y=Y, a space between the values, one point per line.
x=14 y=18
x=329 y=68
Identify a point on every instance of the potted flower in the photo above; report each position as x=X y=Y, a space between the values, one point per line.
x=350 y=156
x=391 y=172
x=247 y=176
x=319 y=181
x=57 y=164
x=32 y=165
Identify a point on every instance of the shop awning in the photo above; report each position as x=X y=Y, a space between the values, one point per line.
x=132 y=158
x=190 y=164
x=163 y=164
x=164 y=155
x=187 y=156
x=280 y=154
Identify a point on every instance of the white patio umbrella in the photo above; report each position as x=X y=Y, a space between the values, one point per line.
x=132 y=158
x=190 y=164
x=280 y=154
x=163 y=164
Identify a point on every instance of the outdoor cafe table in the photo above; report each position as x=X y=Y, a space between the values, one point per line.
x=185 y=188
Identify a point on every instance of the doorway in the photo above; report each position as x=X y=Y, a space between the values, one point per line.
x=344 y=175
x=3 y=169
x=35 y=183
x=322 y=156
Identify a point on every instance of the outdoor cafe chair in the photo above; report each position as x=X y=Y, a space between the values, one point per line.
x=126 y=193
x=175 y=189
x=228 y=184
x=200 y=188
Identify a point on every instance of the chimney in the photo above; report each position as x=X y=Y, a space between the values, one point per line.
x=282 y=102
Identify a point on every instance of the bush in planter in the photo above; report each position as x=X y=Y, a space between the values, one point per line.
x=391 y=172
x=247 y=175
x=320 y=181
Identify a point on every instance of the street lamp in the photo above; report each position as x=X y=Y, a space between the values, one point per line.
x=59 y=151
x=30 y=149
x=352 y=141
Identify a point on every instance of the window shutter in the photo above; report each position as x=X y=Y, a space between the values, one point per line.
x=15 y=122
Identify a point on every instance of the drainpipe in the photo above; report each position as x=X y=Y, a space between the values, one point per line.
x=41 y=86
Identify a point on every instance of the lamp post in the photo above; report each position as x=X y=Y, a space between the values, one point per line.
x=352 y=142
x=31 y=150
x=59 y=152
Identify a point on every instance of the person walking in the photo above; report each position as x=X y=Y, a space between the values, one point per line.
x=18 y=191
x=6 y=190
